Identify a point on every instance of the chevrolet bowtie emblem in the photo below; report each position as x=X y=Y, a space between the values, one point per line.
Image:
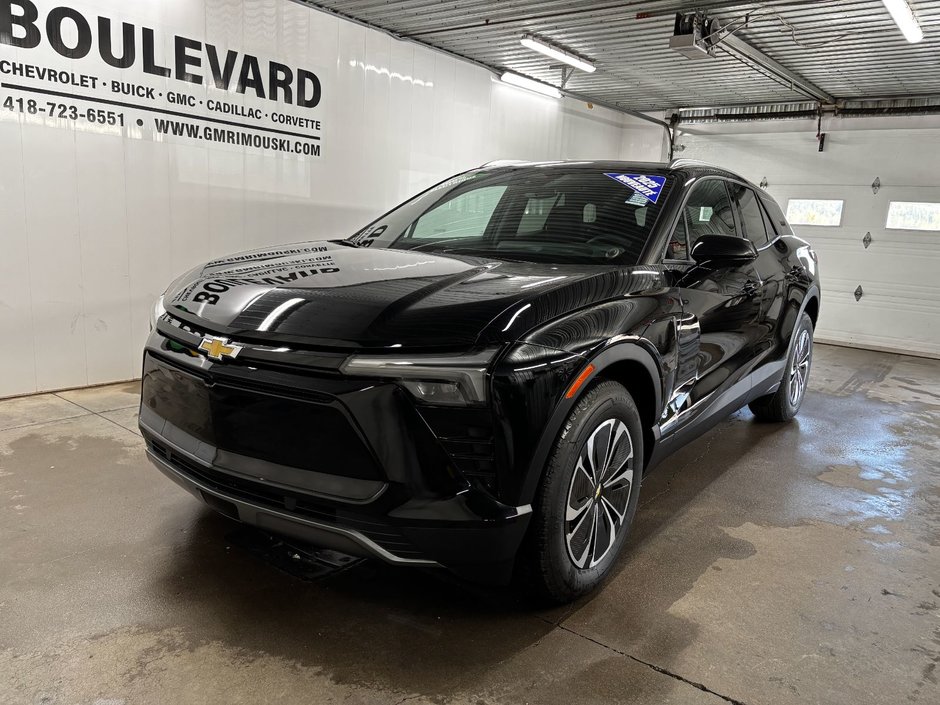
x=218 y=348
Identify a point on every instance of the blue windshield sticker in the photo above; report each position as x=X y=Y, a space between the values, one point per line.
x=647 y=186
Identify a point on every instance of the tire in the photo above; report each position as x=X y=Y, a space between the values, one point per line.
x=784 y=404
x=568 y=557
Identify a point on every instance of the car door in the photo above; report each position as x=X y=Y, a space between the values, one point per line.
x=769 y=267
x=721 y=304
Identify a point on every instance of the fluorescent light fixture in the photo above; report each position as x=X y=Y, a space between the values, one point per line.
x=904 y=18
x=553 y=52
x=515 y=79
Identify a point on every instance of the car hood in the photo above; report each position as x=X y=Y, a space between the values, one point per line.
x=332 y=295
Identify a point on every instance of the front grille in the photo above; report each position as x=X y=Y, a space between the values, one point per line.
x=385 y=535
x=180 y=337
x=284 y=419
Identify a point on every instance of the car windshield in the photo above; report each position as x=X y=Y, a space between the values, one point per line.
x=556 y=214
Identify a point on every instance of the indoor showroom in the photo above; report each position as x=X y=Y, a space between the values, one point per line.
x=478 y=352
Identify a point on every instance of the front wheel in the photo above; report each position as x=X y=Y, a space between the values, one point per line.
x=588 y=495
x=784 y=404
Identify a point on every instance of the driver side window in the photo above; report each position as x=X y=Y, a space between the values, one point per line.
x=678 y=247
x=708 y=211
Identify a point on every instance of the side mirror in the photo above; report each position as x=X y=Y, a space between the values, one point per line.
x=723 y=250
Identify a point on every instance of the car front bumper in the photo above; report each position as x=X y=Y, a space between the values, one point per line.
x=396 y=511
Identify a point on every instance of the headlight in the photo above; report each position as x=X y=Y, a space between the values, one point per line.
x=451 y=380
x=157 y=311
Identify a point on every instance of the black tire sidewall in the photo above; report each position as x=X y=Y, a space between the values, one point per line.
x=604 y=401
x=806 y=323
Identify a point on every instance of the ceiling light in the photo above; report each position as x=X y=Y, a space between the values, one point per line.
x=557 y=54
x=903 y=16
x=515 y=79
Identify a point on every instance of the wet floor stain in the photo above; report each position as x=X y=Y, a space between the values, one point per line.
x=769 y=563
x=141 y=666
x=840 y=515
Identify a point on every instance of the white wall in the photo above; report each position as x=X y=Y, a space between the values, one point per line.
x=96 y=220
x=900 y=309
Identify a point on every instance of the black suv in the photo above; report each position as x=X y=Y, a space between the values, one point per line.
x=480 y=378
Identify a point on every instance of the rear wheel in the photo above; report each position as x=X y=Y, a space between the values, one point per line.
x=588 y=496
x=784 y=404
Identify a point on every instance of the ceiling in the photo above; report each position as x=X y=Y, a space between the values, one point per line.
x=854 y=50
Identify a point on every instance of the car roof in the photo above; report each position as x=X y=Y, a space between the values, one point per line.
x=684 y=168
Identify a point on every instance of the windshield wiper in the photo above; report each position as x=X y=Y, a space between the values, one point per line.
x=496 y=252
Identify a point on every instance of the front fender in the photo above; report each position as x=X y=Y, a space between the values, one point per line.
x=640 y=352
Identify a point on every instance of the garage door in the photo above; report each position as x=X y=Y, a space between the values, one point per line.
x=885 y=295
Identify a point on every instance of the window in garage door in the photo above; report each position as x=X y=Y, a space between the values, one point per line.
x=813 y=211
x=909 y=215
x=752 y=216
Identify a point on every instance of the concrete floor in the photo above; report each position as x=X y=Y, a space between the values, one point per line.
x=795 y=563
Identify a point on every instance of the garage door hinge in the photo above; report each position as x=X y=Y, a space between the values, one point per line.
x=866 y=240
x=875 y=185
x=859 y=293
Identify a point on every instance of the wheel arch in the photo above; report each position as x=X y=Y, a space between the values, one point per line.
x=636 y=379
x=629 y=363
x=811 y=306
x=799 y=301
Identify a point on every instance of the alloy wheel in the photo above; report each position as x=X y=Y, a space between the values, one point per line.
x=599 y=494
x=799 y=368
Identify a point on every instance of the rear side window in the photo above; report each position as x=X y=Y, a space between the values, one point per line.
x=776 y=216
x=752 y=217
x=708 y=211
x=768 y=224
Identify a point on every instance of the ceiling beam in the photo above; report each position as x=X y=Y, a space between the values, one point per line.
x=738 y=47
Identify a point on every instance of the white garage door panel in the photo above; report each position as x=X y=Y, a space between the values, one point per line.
x=842 y=319
x=898 y=156
x=898 y=272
